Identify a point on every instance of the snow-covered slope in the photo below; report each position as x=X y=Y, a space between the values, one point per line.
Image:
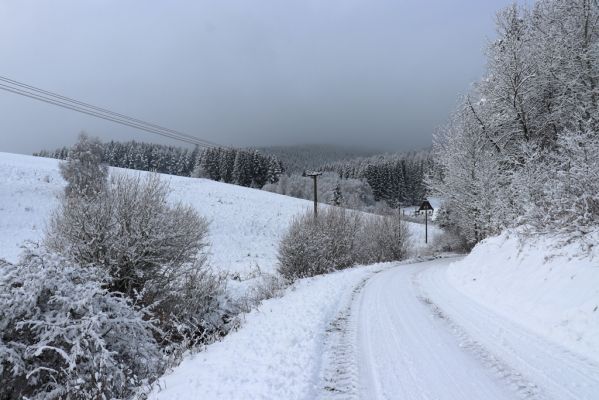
x=29 y=188
x=246 y=224
x=551 y=289
x=245 y=227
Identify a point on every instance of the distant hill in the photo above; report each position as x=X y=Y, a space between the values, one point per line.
x=312 y=156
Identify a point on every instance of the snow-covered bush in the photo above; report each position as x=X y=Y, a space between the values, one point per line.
x=83 y=169
x=382 y=239
x=314 y=246
x=449 y=240
x=152 y=250
x=265 y=286
x=64 y=335
x=339 y=239
x=190 y=307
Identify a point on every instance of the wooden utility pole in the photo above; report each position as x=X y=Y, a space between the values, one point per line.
x=314 y=176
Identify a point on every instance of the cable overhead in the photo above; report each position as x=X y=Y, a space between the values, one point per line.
x=103 y=110
x=33 y=92
x=88 y=112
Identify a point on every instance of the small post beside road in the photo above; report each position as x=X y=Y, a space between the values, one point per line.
x=425 y=206
x=426 y=226
x=314 y=176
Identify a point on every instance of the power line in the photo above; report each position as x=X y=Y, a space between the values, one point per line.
x=92 y=113
x=35 y=93
x=102 y=110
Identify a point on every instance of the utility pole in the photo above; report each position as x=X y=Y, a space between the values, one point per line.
x=314 y=176
x=399 y=212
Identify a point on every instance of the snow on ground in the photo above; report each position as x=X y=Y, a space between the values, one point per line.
x=404 y=352
x=29 y=187
x=278 y=352
x=245 y=227
x=418 y=337
x=551 y=289
x=246 y=224
x=511 y=319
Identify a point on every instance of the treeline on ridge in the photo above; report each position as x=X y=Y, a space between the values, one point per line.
x=361 y=182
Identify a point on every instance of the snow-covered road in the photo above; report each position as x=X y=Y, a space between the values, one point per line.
x=417 y=337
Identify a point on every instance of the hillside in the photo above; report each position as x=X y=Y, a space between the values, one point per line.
x=245 y=224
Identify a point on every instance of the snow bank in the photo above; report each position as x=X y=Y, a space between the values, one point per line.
x=278 y=352
x=550 y=288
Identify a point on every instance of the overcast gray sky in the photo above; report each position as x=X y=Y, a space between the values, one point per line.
x=376 y=73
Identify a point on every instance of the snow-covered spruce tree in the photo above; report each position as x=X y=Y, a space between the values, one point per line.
x=152 y=250
x=83 y=169
x=393 y=178
x=315 y=246
x=63 y=335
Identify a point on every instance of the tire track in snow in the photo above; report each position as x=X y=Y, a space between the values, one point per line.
x=524 y=388
x=339 y=375
x=531 y=364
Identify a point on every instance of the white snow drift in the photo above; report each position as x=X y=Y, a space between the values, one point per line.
x=548 y=286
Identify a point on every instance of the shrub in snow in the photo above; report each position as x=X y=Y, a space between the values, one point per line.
x=451 y=238
x=338 y=239
x=265 y=286
x=383 y=238
x=64 y=335
x=152 y=250
x=314 y=246
x=83 y=169
x=450 y=241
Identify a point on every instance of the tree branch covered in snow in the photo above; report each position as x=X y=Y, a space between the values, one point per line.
x=63 y=334
x=518 y=150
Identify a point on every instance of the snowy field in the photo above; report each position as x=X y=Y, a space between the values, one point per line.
x=246 y=224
